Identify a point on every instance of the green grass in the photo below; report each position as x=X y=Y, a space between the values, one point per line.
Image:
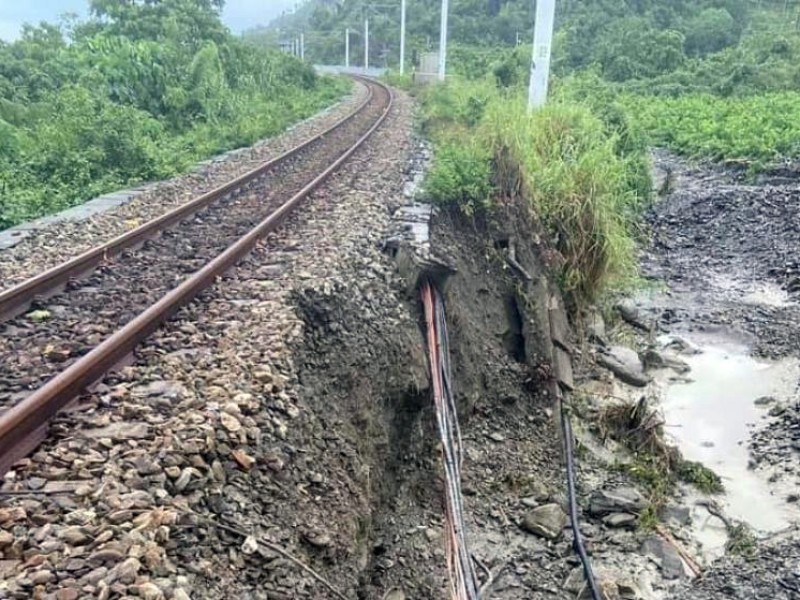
x=756 y=129
x=578 y=173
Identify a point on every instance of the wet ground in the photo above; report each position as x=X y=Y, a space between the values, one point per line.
x=724 y=275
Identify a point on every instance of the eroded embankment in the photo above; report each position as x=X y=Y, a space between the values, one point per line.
x=368 y=372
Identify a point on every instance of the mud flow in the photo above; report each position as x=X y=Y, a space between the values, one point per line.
x=718 y=329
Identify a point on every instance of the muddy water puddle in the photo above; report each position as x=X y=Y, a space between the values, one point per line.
x=710 y=417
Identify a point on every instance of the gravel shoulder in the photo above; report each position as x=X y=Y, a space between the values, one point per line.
x=47 y=247
x=139 y=489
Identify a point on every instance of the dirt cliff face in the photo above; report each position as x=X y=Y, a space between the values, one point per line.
x=362 y=365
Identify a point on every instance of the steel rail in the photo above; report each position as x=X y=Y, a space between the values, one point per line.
x=24 y=425
x=18 y=298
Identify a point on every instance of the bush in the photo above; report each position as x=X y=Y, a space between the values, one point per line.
x=761 y=129
x=462 y=175
x=576 y=182
x=584 y=177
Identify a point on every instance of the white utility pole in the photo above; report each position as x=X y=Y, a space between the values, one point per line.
x=542 y=45
x=443 y=42
x=347 y=48
x=302 y=46
x=366 y=45
x=402 y=36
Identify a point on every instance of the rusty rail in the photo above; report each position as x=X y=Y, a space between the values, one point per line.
x=18 y=298
x=23 y=426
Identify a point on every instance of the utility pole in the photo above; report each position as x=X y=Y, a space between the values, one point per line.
x=443 y=42
x=540 y=61
x=347 y=48
x=366 y=45
x=402 y=36
x=302 y=46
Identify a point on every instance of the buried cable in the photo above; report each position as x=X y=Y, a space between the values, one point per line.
x=461 y=573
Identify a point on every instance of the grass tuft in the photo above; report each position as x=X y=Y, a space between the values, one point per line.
x=582 y=176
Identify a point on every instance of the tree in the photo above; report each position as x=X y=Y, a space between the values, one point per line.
x=710 y=31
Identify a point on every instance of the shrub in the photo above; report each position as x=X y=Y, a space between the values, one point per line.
x=462 y=175
x=584 y=177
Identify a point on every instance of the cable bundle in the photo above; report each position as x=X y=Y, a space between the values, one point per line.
x=463 y=582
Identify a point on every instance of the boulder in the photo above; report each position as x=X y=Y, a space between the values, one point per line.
x=625 y=364
x=620 y=500
x=546 y=521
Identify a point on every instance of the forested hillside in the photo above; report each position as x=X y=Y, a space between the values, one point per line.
x=627 y=38
x=138 y=92
x=704 y=77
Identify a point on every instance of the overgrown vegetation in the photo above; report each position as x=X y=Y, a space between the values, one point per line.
x=138 y=93
x=714 y=79
x=656 y=465
x=577 y=172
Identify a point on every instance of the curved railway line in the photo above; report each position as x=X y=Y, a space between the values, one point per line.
x=96 y=308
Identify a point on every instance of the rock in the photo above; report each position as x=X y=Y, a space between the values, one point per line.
x=74 y=536
x=575 y=580
x=180 y=594
x=546 y=521
x=146 y=466
x=11 y=514
x=496 y=436
x=245 y=461
x=628 y=590
x=67 y=594
x=106 y=555
x=621 y=520
x=666 y=556
x=681 y=515
x=125 y=572
x=230 y=422
x=681 y=346
x=319 y=539
x=36 y=483
x=608 y=590
x=765 y=400
x=395 y=594
x=150 y=591
x=625 y=364
x=6 y=538
x=777 y=410
x=42 y=577
x=631 y=315
x=654 y=359
x=619 y=500
x=95 y=576
x=250 y=545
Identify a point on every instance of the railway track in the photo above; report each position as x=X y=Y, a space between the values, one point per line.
x=64 y=329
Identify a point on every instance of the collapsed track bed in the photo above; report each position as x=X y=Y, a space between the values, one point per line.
x=36 y=346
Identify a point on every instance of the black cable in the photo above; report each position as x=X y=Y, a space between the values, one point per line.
x=577 y=538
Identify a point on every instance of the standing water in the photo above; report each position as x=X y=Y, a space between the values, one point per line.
x=710 y=418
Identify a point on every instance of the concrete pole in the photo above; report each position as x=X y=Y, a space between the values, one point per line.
x=366 y=45
x=347 y=48
x=542 y=45
x=443 y=42
x=302 y=46
x=402 y=36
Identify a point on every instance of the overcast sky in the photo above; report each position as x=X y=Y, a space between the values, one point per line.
x=238 y=14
